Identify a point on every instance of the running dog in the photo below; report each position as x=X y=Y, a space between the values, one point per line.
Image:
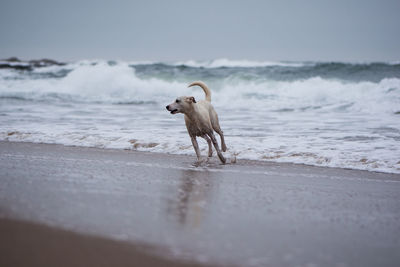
x=201 y=120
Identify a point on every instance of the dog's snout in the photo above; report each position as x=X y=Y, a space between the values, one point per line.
x=167 y=107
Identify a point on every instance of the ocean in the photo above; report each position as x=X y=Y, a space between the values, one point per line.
x=332 y=114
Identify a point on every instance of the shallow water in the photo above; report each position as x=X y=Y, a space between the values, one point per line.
x=328 y=114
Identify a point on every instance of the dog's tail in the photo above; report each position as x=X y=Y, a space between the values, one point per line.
x=205 y=89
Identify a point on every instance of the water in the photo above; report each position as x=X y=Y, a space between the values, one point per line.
x=328 y=114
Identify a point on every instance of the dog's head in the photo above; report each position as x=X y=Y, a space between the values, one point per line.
x=181 y=105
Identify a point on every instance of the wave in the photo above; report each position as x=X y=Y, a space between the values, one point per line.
x=88 y=82
x=216 y=63
x=228 y=63
x=223 y=62
x=374 y=72
x=221 y=69
x=317 y=93
x=119 y=83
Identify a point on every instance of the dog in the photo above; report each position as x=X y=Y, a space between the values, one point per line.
x=201 y=120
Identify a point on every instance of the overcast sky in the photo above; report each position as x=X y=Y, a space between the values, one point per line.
x=317 y=30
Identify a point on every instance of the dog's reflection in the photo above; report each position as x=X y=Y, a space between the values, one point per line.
x=191 y=201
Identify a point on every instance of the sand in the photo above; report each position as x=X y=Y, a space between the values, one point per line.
x=30 y=244
x=87 y=206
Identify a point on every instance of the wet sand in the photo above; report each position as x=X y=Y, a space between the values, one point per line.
x=30 y=244
x=161 y=209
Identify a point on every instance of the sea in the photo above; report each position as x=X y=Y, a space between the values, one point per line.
x=333 y=114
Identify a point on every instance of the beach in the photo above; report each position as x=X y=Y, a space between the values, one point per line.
x=90 y=206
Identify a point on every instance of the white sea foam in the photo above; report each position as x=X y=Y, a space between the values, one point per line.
x=118 y=83
x=318 y=121
x=368 y=97
x=99 y=82
x=11 y=63
x=223 y=62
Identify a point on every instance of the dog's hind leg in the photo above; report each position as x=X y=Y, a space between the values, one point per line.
x=210 y=152
x=221 y=134
x=196 y=147
x=214 y=141
x=217 y=128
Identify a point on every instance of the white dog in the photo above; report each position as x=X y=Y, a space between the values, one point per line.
x=201 y=119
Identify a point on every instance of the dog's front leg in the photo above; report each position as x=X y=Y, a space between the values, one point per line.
x=214 y=141
x=210 y=152
x=196 y=147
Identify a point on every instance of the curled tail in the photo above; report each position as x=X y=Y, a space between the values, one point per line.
x=205 y=89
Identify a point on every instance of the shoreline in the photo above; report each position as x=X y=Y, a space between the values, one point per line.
x=250 y=213
x=192 y=155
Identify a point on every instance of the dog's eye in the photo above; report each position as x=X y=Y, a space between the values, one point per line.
x=177 y=101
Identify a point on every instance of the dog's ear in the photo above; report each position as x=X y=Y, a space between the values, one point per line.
x=192 y=99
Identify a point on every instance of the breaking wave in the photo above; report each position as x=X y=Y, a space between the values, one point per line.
x=120 y=83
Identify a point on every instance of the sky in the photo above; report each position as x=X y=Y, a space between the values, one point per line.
x=171 y=30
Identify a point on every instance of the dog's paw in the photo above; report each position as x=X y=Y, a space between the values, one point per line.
x=223 y=148
x=221 y=157
x=200 y=162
